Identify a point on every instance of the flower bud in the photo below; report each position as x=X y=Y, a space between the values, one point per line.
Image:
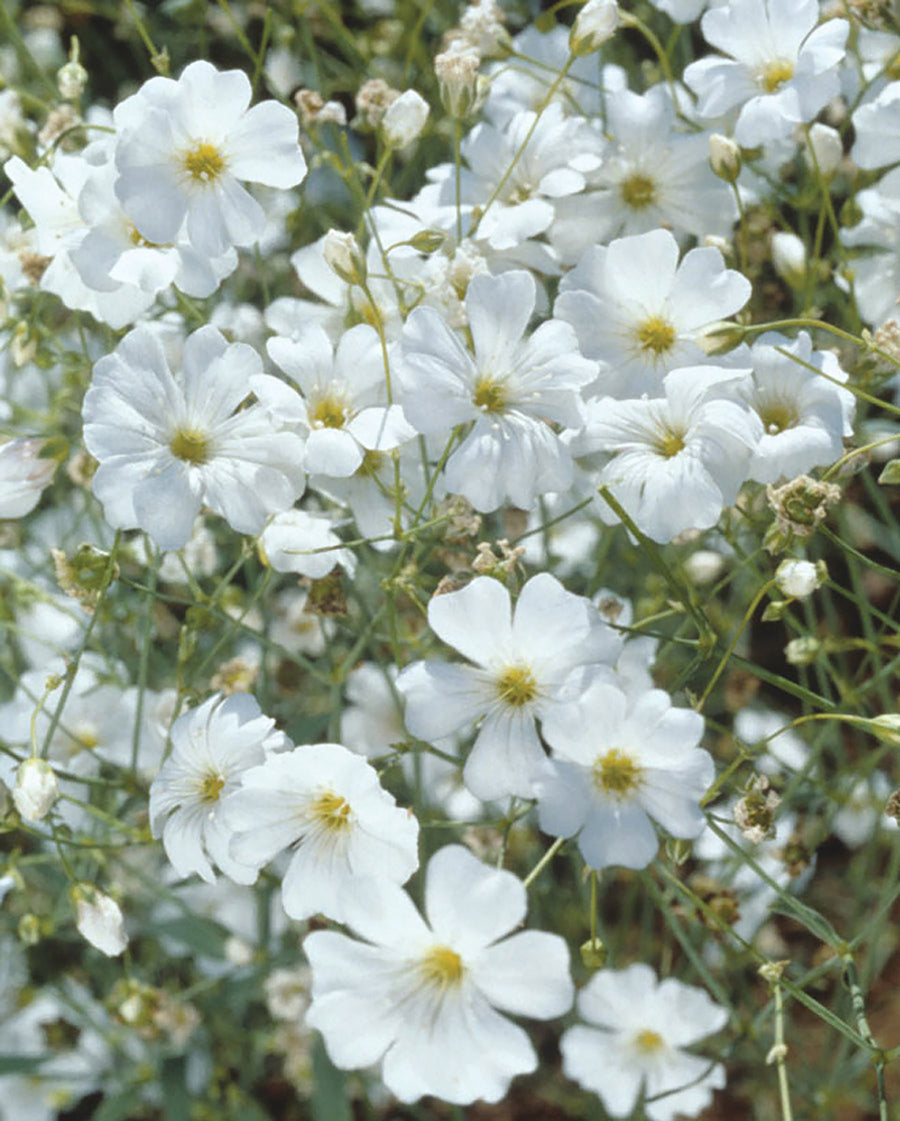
x=594 y=953
x=724 y=157
x=404 y=119
x=802 y=651
x=799 y=578
x=789 y=258
x=72 y=78
x=457 y=75
x=99 y=919
x=594 y=24
x=826 y=145
x=36 y=789
x=344 y=256
x=26 y=469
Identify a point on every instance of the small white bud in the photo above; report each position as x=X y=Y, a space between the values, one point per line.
x=99 y=919
x=594 y=24
x=802 y=651
x=724 y=157
x=789 y=258
x=238 y=951
x=798 y=578
x=36 y=789
x=404 y=119
x=704 y=566
x=457 y=75
x=344 y=256
x=72 y=78
x=826 y=145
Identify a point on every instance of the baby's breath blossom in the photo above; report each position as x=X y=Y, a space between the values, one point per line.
x=425 y=998
x=184 y=148
x=522 y=660
x=212 y=746
x=24 y=474
x=167 y=443
x=618 y=762
x=328 y=803
x=404 y=119
x=99 y=919
x=635 y=1038
x=36 y=789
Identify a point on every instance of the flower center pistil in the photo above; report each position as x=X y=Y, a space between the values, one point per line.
x=777 y=416
x=328 y=412
x=656 y=335
x=490 y=395
x=648 y=1042
x=638 y=192
x=669 y=442
x=332 y=812
x=204 y=162
x=211 y=786
x=190 y=445
x=516 y=686
x=616 y=773
x=442 y=967
x=774 y=74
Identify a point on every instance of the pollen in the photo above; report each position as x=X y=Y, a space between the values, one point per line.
x=332 y=812
x=516 y=686
x=328 y=412
x=490 y=395
x=203 y=162
x=638 y=192
x=777 y=416
x=669 y=443
x=211 y=786
x=616 y=773
x=190 y=445
x=775 y=73
x=649 y=1042
x=442 y=967
x=656 y=335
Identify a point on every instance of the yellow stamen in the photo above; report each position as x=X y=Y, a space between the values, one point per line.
x=638 y=192
x=329 y=412
x=490 y=395
x=442 y=967
x=775 y=73
x=332 y=811
x=203 y=162
x=190 y=445
x=648 y=1041
x=616 y=773
x=516 y=686
x=655 y=334
x=211 y=787
x=777 y=416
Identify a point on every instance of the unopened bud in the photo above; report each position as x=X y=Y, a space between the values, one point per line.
x=99 y=919
x=72 y=78
x=789 y=258
x=344 y=256
x=594 y=24
x=800 y=578
x=36 y=789
x=825 y=144
x=724 y=157
x=594 y=953
x=457 y=75
x=802 y=651
x=404 y=119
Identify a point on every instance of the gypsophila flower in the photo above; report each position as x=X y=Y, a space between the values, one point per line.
x=425 y=998
x=24 y=473
x=99 y=919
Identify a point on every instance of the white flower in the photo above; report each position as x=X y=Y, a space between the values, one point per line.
x=782 y=71
x=784 y=747
x=169 y=443
x=650 y=176
x=212 y=746
x=725 y=157
x=616 y=764
x=805 y=415
x=99 y=919
x=344 y=256
x=297 y=541
x=638 y=1030
x=404 y=119
x=678 y=460
x=825 y=144
x=640 y=313
x=511 y=389
x=36 y=789
x=425 y=999
x=183 y=148
x=522 y=660
x=328 y=803
x=798 y=578
x=24 y=473
x=876 y=127
x=876 y=269
x=862 y=809
x=343 y=408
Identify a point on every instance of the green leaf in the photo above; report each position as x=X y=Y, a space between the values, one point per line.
x=120 y=1107
x=200 y=935
x=890 y=472
x=21 y=1064
x=329 y=1101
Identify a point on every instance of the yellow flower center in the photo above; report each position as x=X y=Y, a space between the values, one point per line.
x=669 y=442
x=616 y=773
x=203 y=162
x=137 y=238
x=211 y=786
x=190 y=445
x=638 y=192
x=775 y=73
x=490 y=395
x=332 y=812
x=649 y=1042
x=777 y=416
x=516 y=686
x=328 y=412
x=655 y=334
x=442 y=967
